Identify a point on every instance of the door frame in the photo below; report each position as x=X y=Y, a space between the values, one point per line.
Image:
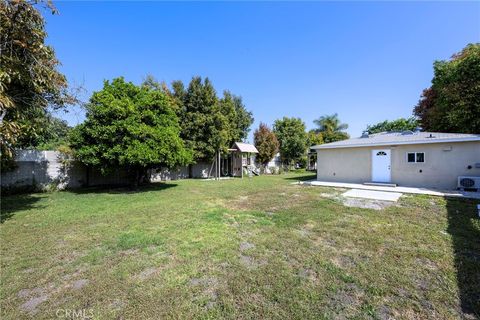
x=389 y=168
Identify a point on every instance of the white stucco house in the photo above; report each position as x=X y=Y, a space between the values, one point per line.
x=415 y=159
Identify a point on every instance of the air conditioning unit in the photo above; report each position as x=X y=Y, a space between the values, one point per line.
x=466 y=182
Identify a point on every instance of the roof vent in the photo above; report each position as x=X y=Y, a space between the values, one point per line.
x=431 y=136
x=364 y=134
x=407 y=133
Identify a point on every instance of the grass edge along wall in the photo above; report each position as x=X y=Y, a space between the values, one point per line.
x=443 y=163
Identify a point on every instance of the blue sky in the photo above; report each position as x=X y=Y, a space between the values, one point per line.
x=365 y=61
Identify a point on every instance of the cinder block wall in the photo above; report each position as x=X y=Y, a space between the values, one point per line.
x=43 y=168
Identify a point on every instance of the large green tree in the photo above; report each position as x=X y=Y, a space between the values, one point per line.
x=292 y=137
x=178 y=93
x=209 y=124
x=129 y=126
x=243 y=119
x=203 y=127
x=331 y=128
x=314 y=138
x=452 y=103
x=29 y=78
x=266 y=143
x=238 y=117
x=400 y=124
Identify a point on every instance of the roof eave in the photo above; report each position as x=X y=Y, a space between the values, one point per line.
x=392 y=143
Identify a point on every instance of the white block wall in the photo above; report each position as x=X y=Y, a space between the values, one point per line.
x=42 y=168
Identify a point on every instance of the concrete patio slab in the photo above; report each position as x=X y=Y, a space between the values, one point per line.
x=426 y=191
x=373 y=195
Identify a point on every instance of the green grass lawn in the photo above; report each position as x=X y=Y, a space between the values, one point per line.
x=241 y=249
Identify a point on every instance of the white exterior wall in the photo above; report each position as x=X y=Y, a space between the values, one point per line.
x=444 y=162
x=344 y=165
x=275 y=162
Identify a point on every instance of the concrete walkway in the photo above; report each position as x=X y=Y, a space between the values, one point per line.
x=431 y=192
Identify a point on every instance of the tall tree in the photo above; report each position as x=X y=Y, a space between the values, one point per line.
x=292 y=137
x=152 y=83
x=178 y=93
x=238 y=117
x=178 y=89
x=243 y=119
x=128 y=126
x=209 y=124
x=29 y=77
x=400 y=124
x=452 y=103
x=331 y=128
x=266 y=143
x=428 y=115
x=203 y=127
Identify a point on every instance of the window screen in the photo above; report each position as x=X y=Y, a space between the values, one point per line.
x=415 y=157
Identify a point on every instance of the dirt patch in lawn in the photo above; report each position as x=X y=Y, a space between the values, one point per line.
x=343 y=261
x=251 y=262
x=270 y=201
x=346 y=300
x=30 y=306
x=246 y=246
x=303 y=232
x=367 y=203
x=147 y=273
x=209 y=288
x=326 y=242
x=306 y=229
x=117 y=305
x=79 y=284
x=69 y=256
x=308 y=274
x=34 y=297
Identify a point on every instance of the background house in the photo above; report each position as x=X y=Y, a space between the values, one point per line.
x=273 y=165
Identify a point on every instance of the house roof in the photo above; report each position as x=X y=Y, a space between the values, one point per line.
x=399 y=138
x=244 y=147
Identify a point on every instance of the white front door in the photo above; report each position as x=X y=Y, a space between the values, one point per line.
x=381 y=165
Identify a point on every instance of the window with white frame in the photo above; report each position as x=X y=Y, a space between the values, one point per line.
x=414 y=157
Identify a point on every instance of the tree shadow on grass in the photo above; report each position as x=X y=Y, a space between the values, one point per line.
x=464 y=227
x=11 y=204
x=124 y=189
x=304 y=177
